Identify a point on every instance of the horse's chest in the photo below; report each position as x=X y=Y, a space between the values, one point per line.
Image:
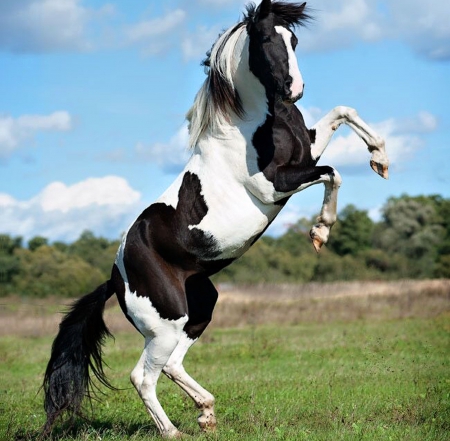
x=234 y=217
x=217 y=207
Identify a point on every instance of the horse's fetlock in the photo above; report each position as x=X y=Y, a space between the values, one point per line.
x=207 y=403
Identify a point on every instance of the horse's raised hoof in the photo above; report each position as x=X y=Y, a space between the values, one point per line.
x=381 y=169
x=317 y=243
x=319 y=235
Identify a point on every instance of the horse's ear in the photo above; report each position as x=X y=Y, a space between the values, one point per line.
x=263 y=9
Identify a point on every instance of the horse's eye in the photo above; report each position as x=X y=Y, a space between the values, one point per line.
x=294 y=41
x=266 y=39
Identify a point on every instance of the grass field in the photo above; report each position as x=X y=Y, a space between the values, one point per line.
x=343 y=362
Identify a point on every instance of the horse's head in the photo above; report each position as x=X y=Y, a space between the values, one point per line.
x=262 y=47
x=271 y=48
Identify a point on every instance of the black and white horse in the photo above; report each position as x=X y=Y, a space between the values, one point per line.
x=251 y=151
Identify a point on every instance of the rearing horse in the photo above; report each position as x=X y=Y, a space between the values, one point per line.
x=251 y=151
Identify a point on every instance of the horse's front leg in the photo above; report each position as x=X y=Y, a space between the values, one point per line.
x=320 y=232
x=324 y=129
x=289 y=177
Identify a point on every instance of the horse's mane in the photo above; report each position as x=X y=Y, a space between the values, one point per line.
x=294 y=14
x=218 y=98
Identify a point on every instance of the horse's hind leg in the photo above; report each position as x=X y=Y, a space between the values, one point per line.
x=203 y=399
x=201 y=296
x=157 y=351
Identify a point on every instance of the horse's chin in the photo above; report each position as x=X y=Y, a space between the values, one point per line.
x=291 y=99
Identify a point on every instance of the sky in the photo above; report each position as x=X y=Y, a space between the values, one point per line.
x=93 y=97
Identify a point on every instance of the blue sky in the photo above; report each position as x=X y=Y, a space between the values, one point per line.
x=93 y=96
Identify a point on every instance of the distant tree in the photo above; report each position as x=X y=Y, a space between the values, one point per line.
x=49 y=272
x=443 y=260
x=9 y=262
x=410 y=227
x=296 y=240
x=61 y=246
x=97 y=251
x=383 y=265
x=331 y=267
x=36 y=242
x=352 y=233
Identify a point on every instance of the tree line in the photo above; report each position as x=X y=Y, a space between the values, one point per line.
x=412 y=240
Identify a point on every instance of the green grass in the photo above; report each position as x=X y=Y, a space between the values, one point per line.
x=383 y=380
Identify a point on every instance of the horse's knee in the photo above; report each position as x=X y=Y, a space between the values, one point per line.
x=336 y=178
x=172 y=369
x=136 y=378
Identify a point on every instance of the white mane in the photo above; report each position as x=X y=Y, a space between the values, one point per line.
x=205 y=113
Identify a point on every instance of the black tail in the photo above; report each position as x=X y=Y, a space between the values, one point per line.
x=76 y=350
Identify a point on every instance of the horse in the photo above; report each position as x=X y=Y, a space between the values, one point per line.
x=251 y=151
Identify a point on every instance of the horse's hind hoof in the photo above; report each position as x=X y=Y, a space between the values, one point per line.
x=207 y=423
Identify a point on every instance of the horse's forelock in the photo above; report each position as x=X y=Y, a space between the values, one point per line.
x=294 y=14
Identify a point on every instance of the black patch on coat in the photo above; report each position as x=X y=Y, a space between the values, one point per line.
x=201 y=298
x=283 y=143
x=161 y=251
x=119 y=288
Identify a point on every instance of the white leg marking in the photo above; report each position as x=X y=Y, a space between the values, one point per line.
x=144 y=378
x=161 y=339
x=320 y=232
x=326 y=127
x=203 y=399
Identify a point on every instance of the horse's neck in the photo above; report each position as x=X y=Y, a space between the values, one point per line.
x=251 y=92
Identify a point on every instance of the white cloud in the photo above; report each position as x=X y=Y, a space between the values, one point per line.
x=422 y=25
x=62 y=25
x=222 y=3
x=15 y=131
x=105 y=206
x=195 y=45
x=154 y=35
x=170 y=157
x=311 y=114
x=46 y=25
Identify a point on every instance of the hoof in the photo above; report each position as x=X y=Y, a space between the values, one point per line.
x=319 y=235
x=176 y=434
x=207 y=423
x=380 y=169
x=317 y=243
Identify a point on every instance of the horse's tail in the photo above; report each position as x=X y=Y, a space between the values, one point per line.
x=76 y=350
